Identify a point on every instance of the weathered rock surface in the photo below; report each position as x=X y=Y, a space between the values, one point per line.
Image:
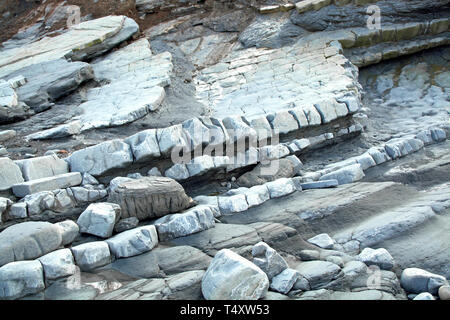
x=196 y=219
x=10 y=174
x=268 y=259
x=99 y=219
x=28 y=240
x=379 y=257
x=101 y=158
x=21 y=278
x=149 y=197
x=232 y=277
x=57 y=264
x=319 y=273
x=60 y=181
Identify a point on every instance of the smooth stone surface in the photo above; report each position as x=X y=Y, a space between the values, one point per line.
x=318 y=273
x=149 y=197
x=379 y=257
x=133 y=242
x=345 y=175
x=28 y=240
x=10 y=174
x=99 y=219
x=42 y=167
x=91 y=255
x=60 y=181
x=320 y=184
x=415 y=280
x=99 y=159
x=322 y=240
x=69 y=231
x=284 y=281
x=268 y=259
x=57 y=264
x=196 y=219
x=232 y=277
x=21 y=278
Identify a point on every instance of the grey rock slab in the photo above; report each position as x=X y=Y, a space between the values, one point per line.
x=283 y=122
x=144 y=145
x=280 y=188
x=238 y=129
x=60 y=181
x=10 y=174
x=220 y=237
x=196 y=219
x=200 y=165
x=148 y=197
x=232 y=277
x=18 y=210
x=47 y=81
x=133 y=242
x=322 y=240
x=61 y=131
x=379 y=257
x=348 y=174
x=42 y=167
x=319 y=184
x=99 y=159
x=82 y=41
x=197 y=134
x=28 y=240
x=21 y=278
x=91 y=255
x=284 y=281
x=232 y=204
x=424 y=296
x=171 y=139
x=318 y=273
x=177 y=172
x=99 y=219
x=415 y=280
x=69 y=231
x=444 y=292
x=58 y=264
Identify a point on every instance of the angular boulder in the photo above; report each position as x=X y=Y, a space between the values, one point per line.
x=60 y=181
x=268 y=259
x=99 y=219
x=232 y=277
x=348 y=174
x=133 y=242
x=58 y=264
x=194 y=220
x=99 y=159
x=149 y=197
